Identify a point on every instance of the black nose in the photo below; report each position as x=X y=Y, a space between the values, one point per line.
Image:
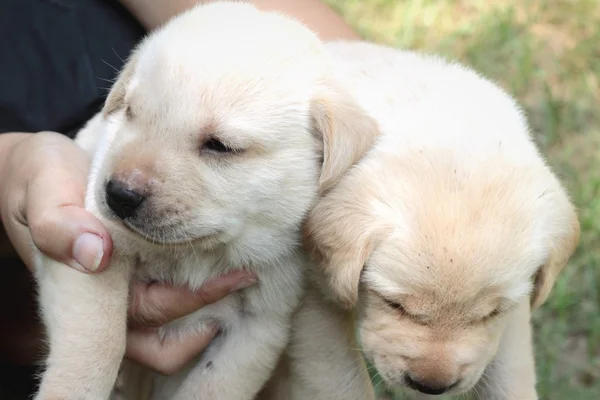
x=427 y=388
x=122 y=200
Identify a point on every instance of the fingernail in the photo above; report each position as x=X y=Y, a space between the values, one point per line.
x=88 y=251
x=244 y=283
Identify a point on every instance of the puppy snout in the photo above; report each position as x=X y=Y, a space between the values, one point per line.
x=433 y=374
x=122 y=199
x=428 y=386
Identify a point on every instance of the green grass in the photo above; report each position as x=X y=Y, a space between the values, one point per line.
x=547 y=54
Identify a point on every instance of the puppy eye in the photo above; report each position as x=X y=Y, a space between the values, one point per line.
x=396 y=306
x=217 y=146
x=492 y=315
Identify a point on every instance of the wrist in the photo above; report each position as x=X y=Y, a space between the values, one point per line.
x=152 y=14
x=316 y=14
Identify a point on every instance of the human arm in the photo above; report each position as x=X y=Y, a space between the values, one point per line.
x=316 y=14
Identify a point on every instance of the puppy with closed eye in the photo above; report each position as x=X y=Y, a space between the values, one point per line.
x=213 y=145
x=447 y=233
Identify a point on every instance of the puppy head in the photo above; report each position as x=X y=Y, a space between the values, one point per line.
x=435 y=254
x=225 y=120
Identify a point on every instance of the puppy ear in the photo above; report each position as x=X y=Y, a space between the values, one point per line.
x=116 y=97
x=563 y=248
x=340 y=237
x=346 y=130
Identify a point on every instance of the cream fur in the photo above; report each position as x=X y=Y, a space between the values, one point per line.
x=446 y=230
x=262 y=84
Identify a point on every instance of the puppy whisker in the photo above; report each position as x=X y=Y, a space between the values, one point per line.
x=110 y=65
x=106 y=80
x=118 y=56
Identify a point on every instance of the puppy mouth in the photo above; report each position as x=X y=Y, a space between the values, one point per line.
x=172 y=234
x=163 y=240
x=165 y=235
x=433 y=392
x=401 y=381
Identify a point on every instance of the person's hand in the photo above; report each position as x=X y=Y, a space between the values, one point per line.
x=153 y=305
x=43 y=181
x=42 y=188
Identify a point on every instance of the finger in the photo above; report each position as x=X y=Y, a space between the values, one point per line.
x=156 y=304
x=54 y=210
x=73 y=236
x=166 y=356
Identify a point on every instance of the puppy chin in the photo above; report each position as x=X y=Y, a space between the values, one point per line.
x=174 y=234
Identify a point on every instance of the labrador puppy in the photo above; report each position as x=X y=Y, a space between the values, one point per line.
x=447 y=233
x=213 y=145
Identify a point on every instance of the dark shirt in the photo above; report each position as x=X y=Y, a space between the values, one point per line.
x=57 y=60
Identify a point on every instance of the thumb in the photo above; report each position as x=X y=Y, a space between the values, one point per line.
x=72 y=235
x=59 y=224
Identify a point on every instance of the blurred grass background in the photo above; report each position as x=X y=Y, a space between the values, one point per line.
x=547 y=54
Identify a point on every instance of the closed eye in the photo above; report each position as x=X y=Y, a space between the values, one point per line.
x=217 y=146
x=396 y=307
x=400 y=310
x=492 y=315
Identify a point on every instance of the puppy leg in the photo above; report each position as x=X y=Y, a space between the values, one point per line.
x=325 y=363
x=511 y=376
x=85 y=318
x=239 y=365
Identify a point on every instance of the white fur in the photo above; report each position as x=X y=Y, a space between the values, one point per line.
x=254 y=80
x=453 y=214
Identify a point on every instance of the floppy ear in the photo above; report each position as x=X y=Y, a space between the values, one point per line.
x=340 y=236
x=561 y=252
x=346 y=130
x=116 y=97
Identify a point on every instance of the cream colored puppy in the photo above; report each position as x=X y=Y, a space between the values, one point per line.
x=447 y=232
x=212 y=147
